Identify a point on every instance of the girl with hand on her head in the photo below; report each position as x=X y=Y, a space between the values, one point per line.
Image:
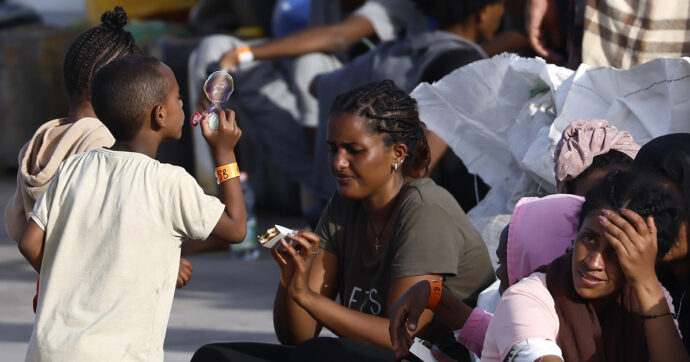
x=599 y=301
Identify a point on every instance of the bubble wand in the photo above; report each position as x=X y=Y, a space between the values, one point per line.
x=218 y=88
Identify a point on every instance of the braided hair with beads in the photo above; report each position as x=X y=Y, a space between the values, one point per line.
x=389 y=110
x=94 y=48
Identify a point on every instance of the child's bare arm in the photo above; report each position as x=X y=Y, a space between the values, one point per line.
x=232 y=225
x=31 y=244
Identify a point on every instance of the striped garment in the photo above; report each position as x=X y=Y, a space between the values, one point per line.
x=625 y=33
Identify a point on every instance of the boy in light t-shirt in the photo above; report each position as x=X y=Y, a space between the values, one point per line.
x=106 y=234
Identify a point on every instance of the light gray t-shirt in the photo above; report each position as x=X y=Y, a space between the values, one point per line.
x=113 y=224
x=430 y=235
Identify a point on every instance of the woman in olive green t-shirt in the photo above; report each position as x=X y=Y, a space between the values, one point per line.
x=384 y=230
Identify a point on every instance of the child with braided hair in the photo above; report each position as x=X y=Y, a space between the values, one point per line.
x=80 y=131
x=383 y=231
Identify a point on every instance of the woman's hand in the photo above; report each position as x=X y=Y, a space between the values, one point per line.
x=404 y=315
x=634 y=240
x=306 y=245
x=287 y=267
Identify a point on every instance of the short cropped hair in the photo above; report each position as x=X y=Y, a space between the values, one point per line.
x=123 y=92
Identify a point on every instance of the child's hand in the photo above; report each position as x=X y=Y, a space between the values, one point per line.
x=184 y=275
x=223 y=140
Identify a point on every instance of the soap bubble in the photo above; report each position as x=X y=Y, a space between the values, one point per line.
x=218 y=88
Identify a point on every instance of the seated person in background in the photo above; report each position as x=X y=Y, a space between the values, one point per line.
x=540 y=230
x=383 y=231
x=408 y=60
x=600 y=301
x=105 y=236
x=273 y=77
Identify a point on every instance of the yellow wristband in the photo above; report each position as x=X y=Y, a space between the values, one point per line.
x=227 y=172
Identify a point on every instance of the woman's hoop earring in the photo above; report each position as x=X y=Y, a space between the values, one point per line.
x=395 y=166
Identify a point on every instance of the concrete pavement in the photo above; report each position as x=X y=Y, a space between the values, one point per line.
x=226 y=300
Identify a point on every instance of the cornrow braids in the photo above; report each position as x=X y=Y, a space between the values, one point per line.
x=390 y=111
x=96 y=47
x=642 y=194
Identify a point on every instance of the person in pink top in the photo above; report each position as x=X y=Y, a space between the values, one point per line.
x=601 y=301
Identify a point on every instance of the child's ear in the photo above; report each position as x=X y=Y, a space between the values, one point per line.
x=159 y=116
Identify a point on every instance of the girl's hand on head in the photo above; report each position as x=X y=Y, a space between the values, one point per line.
x=635 y=243
x=306 y=246
x=404 y=315
x=225 y=138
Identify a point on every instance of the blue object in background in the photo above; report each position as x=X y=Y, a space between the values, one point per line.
x=290 y=16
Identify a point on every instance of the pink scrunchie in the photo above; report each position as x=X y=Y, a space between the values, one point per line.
x=582 y=141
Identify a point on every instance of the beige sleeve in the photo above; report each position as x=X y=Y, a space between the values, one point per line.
x=194 y=214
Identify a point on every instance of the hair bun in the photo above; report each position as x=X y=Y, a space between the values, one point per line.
x=115 y=19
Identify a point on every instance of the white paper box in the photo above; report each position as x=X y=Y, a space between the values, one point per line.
x=274 y=242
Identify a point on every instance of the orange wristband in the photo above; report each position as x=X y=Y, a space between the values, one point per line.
x=227 y=172
x=435 y=289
